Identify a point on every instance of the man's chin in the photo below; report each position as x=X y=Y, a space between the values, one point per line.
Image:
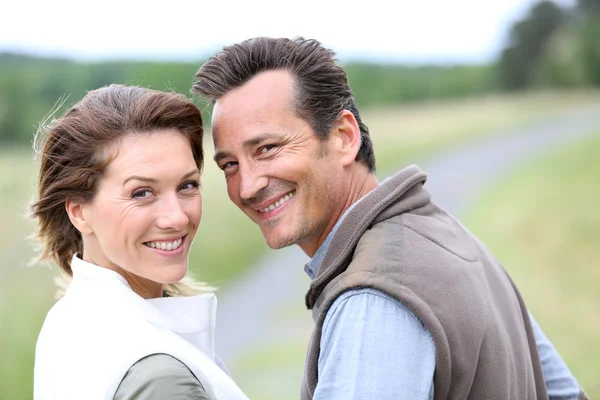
x=277 y=242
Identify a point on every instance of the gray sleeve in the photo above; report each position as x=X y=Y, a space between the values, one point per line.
x=373 y=347
x=158 y=377
x=560 y=383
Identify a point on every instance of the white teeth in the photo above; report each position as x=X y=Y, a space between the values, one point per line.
x=168 y=246
x=278 y=203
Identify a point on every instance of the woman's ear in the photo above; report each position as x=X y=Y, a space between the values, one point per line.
x=77 y=214
x=348 y=132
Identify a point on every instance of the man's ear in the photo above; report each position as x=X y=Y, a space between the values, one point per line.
x=348 y=132
x=77 y=215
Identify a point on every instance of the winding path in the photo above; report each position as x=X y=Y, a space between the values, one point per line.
x=251 y=311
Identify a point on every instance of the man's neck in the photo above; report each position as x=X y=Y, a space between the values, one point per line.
x=357 y=189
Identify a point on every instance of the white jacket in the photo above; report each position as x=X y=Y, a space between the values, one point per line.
x=100 y=328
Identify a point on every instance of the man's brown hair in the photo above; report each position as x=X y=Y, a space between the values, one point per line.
x=321 y=89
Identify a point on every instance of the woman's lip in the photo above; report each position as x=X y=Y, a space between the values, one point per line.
x=167 y=240
x=178 y=251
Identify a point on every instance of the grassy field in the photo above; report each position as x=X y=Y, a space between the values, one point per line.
x=543 y=223
x=227 y=241
x=25 y=293
x=399 y=133
x=282 y=361
x=405 y=132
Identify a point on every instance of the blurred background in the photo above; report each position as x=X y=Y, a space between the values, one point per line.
x=497 y=101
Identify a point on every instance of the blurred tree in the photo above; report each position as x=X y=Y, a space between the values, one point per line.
x=591 y=6
x=591 y=49
x=527 y=42
x=377 y=84
x=29 y=86
x=562 y=64
x=589 y=14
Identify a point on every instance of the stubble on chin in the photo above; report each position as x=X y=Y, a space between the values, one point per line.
x=278 y=241
x=289 y=236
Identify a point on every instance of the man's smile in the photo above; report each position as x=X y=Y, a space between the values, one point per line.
x=278 y=203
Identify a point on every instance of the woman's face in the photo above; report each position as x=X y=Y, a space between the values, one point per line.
x=146 y=211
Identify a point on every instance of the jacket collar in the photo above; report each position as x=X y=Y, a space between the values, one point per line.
x=192 y=318
x=398 y=194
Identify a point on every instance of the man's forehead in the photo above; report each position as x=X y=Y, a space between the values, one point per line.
x=238 y=123
x=251 y=122
x=266 y=91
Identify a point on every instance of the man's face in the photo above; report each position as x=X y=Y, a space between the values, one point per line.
x=278 y=172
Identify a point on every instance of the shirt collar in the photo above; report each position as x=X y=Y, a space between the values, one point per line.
x=312 y=267
x=191 y=317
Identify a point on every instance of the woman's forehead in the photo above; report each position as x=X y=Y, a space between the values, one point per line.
x=156 y=153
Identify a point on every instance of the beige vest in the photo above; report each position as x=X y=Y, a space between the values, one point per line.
x=398 y=241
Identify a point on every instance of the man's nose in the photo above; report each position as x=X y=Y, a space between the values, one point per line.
x=252 y=181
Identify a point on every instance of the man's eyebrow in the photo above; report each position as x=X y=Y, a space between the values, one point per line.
x=221 y=154
x=152 y=180
x=261 y=138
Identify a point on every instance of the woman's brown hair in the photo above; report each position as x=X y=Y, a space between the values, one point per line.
x=72 y=152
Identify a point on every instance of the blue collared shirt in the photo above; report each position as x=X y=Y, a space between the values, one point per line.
x=373 y=347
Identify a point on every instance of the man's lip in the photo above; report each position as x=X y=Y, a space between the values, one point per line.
x=272 y=200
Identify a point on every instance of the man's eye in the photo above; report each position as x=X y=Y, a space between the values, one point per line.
x=142 y=194
x=266 y=148
x=227 y=165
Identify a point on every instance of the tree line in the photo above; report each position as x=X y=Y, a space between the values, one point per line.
x=30 y=86
x=553 y=47
x=550 y=47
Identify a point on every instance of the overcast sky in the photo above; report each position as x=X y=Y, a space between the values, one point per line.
x=440 y=31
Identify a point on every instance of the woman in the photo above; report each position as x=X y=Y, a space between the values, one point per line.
x=118 y=207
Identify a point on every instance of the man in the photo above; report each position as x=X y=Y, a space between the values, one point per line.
x=407 y=303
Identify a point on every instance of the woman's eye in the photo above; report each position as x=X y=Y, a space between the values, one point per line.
x=191 y=185
x=142 y=194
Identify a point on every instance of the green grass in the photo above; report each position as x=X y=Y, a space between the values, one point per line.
x=401 y=133
x=420 y=130
x=543 y=223
x=227 y=242
x=273 y=372
x=25 y=293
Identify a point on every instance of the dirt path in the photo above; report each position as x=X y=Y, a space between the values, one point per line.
x=250 y=310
